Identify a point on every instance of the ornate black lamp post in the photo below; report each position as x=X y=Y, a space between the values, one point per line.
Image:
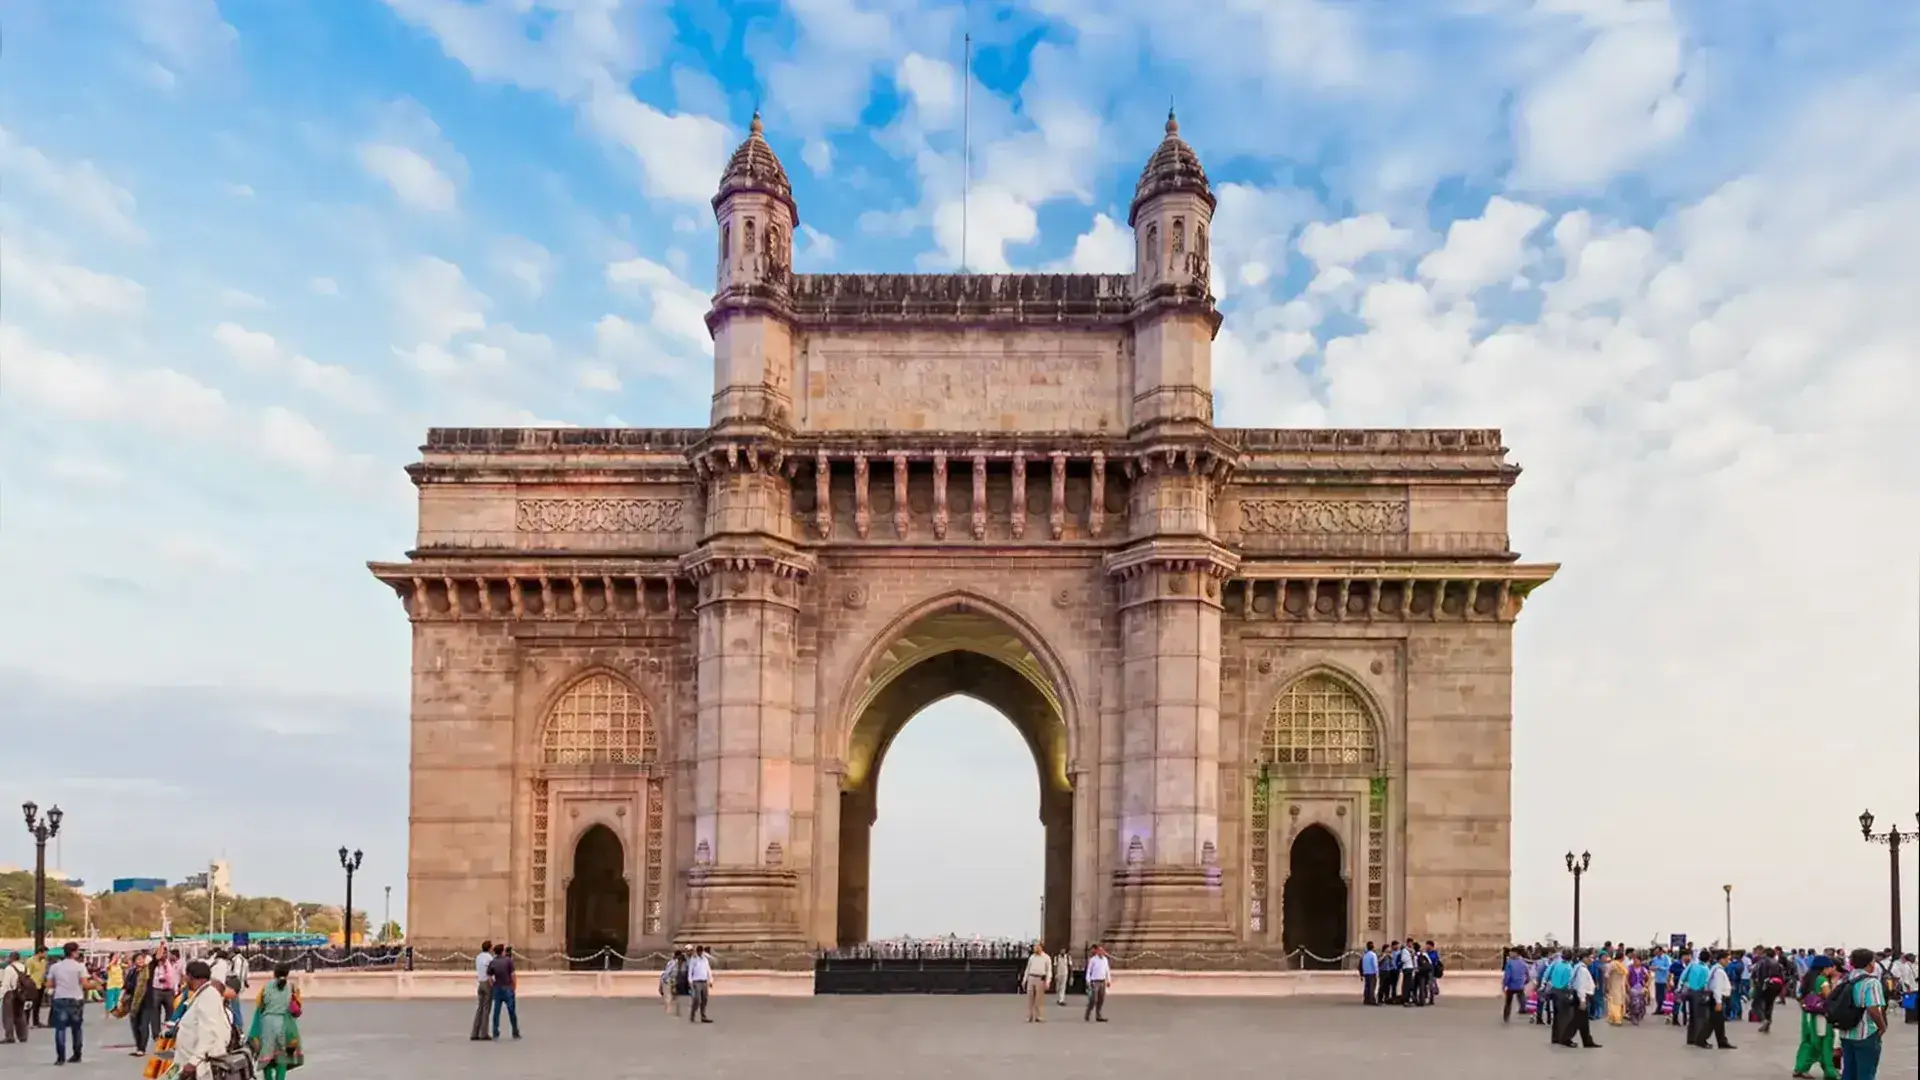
x=42 y=831
x=348 y=862
x=1893 y=838
x=1578 y=868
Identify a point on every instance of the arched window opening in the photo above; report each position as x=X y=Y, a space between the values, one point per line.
x=1319 y=720
x=599 y=720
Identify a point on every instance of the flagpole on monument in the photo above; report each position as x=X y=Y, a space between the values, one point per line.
x=966 y=136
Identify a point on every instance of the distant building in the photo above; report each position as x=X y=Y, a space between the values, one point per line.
x=220 y=871
x=138 y=884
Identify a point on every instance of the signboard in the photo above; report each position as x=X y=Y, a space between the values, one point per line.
x=56 y=916
x=1679 y=941
x=240 y=939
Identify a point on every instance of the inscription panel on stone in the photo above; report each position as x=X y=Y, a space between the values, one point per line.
x=956 y=381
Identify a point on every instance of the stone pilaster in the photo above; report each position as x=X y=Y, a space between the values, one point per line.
x=741 y=890
x=1168 y=888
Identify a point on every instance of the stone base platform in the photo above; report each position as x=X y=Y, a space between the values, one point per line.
x=450 y=985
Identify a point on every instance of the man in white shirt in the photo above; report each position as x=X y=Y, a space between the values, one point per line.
x=1099 y=977
x=67 y=986
x=226 y=978
x=1719 y=989
x=205 y=1029
x=1062 y=974
x=699 y=983
x=13 y=1013
x=480 y=965
x=1582 y=988
x=1033 y=982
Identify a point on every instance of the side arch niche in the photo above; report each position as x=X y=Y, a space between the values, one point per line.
x=598 y=750
x=1321 y=748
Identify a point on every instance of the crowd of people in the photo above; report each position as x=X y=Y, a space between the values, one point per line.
x=1406 y=974
x=185 y=1015
x=1844 y=999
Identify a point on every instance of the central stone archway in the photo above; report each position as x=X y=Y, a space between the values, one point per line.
x=956 y=650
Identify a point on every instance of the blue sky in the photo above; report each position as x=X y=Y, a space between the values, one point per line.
x=252 y=249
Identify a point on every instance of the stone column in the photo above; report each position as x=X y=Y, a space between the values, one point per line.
x=742 y=889
x=1168 y=894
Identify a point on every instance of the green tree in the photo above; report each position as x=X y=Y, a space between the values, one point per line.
x=16 y=906
x=390 y=932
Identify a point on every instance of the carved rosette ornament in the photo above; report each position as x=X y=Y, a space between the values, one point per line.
x=600 y=515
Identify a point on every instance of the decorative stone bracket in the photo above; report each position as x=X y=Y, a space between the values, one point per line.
x=575 y=592
x=1335 y=592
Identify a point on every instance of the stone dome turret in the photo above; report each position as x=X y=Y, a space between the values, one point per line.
x=1173 y=167
x=755 y=167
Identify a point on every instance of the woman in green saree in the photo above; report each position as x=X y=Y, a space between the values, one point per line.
x=274 y=1037
x=1816 y=1035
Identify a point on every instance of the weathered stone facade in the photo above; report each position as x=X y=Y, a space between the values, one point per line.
x=1265 y=674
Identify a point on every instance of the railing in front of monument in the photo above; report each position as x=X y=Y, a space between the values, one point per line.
x=404 y=958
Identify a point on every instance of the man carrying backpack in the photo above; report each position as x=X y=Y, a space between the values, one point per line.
x=1857 y=1011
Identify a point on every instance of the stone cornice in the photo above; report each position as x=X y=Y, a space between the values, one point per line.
x=1173 y=553
x=1347 y=455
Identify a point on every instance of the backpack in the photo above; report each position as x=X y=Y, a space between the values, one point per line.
x=1843 y=1012
x=1439 y=966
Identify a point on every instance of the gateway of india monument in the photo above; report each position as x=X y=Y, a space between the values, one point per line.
x=1265 y=674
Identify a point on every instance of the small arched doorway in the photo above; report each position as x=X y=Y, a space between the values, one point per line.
x=598 y=901
x=1314 y=908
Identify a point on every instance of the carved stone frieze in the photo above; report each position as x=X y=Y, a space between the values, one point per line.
x=600 y=515
x=1324 y=516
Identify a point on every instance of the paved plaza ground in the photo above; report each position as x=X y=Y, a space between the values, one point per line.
x=968 y=1037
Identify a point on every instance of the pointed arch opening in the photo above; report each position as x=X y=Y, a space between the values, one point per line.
x=1314 y=907
x=955 y=649
x=599 y=901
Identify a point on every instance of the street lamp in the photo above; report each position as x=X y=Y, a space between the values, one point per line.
x=1893 y=838
x=1578 y=868
x=1728 y=889
x=41 y=831
x=386 y=915
x=348 y=862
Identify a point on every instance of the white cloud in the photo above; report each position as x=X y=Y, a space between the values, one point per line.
x=415 y=181
x=678 y=310
x=934 y=89
x=323 y=286
x=87 y=472
x=1348 y=241
x=817 y=246
x=79 y=186
x=259 y=353
x=993 y=218
x=681 y=155
x=185 y=33
x=240 y=298
x=527 y=263
x=434 y=301
x=85 y=389
x=1105 y=248
x=412 y=157
x=1624 y=94
x=62 y=289
x=1486 y=250
x=818 y=156
x=599 y=377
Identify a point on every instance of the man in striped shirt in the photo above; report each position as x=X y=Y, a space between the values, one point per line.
x=1860 y=1044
